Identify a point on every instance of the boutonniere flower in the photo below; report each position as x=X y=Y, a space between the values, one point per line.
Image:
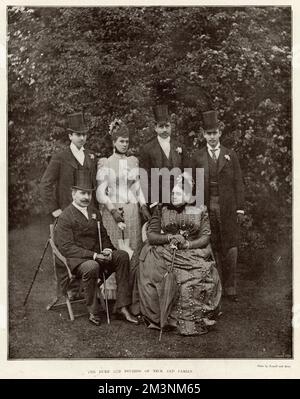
x=227 y=157
x=179 y=150
x=94 y=216
x=92 y=156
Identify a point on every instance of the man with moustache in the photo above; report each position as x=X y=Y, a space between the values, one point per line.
x=224 y=198
x=59 y=177
x=77 y=238
x=56 y=183
x=160 y=153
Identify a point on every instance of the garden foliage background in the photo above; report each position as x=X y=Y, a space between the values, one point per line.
x=116 y=62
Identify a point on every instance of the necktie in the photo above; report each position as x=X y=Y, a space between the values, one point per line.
x=214 y=157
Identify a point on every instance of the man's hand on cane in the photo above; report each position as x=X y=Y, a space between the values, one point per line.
x=107 y=253
x=104 y=256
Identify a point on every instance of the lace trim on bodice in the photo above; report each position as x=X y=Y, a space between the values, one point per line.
x=182 y=223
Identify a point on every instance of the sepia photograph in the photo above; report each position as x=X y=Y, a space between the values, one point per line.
x=149 y=182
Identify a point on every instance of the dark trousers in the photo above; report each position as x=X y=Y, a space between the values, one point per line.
x=120 y=264
x=226 y=262
x=89 y=271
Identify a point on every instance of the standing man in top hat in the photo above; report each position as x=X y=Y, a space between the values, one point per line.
x=59 y=176
x=160 y=152
x=224 y=198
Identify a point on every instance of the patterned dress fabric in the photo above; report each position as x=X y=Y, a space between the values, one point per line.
x=199 y=287
x=118 y=187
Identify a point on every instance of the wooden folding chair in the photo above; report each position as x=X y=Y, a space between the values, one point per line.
x=62 y=293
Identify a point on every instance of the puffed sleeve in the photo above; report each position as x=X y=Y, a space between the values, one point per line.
x=102 y=183
x=133 y=166
x=102 y=169
x=135 y=193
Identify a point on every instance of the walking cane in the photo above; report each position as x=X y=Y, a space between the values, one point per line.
x=38 y=266
x=122 y=231
x=104 y=279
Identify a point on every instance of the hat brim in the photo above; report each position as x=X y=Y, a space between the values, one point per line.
x=78 y=131
x=163 y=119
x=82 y=188
x=211 y=129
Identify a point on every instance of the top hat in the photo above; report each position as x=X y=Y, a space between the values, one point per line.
x=210 y=119
x=161 y=113
x=83 y=180
x=118 y=128
x=76 y=123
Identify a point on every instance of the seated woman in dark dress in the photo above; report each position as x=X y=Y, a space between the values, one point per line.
x=198 y=285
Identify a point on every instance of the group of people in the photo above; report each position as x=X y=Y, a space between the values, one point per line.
x=170 y=258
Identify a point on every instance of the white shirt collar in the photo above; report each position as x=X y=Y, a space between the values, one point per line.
x=75 y=149
x=82 y=209
x=166 y=140
x=211 y=148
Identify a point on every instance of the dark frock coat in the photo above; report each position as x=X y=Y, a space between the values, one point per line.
x=59 y=177
x=77 y=238
x=231 y=191
x=153 y=156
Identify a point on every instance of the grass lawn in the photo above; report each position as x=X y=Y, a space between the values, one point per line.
x=259 y=326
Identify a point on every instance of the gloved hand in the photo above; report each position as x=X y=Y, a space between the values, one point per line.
x=145 y=212
x=117 y=216
x=107 y=253
x=185 y=245
x=56 y=213
x=177 y=239
x=122 y=225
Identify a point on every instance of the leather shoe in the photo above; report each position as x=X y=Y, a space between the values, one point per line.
x=124 y=313
x=94 y=319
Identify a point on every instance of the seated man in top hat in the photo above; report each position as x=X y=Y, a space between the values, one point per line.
x=224 y=198
x=56 y=183
x=162 y=152
x=87 y=250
